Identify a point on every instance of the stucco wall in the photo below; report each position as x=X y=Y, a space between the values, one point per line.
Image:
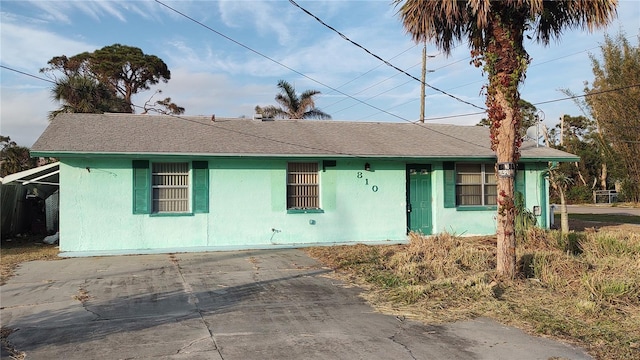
x=453 y=220
x=483 y=222
x=96 y=212
x=247 y=207
x=537 y=192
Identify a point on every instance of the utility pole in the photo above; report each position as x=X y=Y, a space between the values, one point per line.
x=424 y=77
x=424 y=80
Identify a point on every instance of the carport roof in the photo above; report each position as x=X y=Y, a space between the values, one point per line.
x=44 y=178
x=201 y=136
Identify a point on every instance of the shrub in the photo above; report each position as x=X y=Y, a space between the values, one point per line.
x=569 y=243
x=579 y=194
x=524 y=217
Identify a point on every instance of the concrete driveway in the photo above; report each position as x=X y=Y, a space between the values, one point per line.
x=229 y=305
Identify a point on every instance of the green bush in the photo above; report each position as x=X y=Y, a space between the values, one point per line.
x=629 y=192
x=579 y=194
x=524 y=217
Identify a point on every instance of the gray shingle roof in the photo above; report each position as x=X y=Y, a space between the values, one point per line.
x=198 y=135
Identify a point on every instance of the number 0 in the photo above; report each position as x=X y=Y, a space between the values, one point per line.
x=374 y=188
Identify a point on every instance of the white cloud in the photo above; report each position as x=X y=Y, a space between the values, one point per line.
x=260 y=14
x=26 y=47
x=204 y=93
x=203 y=57
x=51 y=11
x=24 y=114
x=60 y=11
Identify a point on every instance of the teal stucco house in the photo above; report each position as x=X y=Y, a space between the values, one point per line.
x=132 y=184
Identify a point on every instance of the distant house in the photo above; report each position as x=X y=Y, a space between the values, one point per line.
x=141 y=184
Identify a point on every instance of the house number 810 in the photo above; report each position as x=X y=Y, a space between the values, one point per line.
x=374 y=188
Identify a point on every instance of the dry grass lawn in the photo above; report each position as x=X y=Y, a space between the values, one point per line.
x=583 y=289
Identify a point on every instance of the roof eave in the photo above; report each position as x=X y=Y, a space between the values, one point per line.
x=550 y=158
x=137 y=155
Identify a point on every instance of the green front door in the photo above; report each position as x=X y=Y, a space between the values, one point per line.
x=419 y=198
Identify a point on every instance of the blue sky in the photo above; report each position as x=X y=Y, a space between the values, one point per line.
x=212 y=75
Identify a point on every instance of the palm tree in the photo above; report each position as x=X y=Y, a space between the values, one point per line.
x=81 y=94
x=495 y=31
x=293 y=106
x=560 y=181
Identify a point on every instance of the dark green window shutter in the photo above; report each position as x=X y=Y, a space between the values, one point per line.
x=200 y=186
x=449 y=184
x=141 y=187
x=520 y=179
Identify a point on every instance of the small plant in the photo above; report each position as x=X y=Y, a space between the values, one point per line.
x=612 y=291
x=385 y=279
x=569 y=243
x=524 y=217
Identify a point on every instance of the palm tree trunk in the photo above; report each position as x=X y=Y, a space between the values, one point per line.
x=507 y=60
x=564 y=214
x=505 y=152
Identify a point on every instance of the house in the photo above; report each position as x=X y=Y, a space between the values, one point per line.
x=142 y=184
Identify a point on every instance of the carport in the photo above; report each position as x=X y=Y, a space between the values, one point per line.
x=30 y=201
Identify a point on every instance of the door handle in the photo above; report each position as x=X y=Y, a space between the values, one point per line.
x=408 y=208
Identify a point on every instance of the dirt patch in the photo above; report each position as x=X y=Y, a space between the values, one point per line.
x=21 y=249
x=82 y=295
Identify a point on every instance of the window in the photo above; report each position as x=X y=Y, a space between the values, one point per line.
x=475 y=185
x=303 y=190
x=170 y=187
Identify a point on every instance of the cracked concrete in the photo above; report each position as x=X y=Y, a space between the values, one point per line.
x=395 y=340
x=193 y=300
x=230 y=305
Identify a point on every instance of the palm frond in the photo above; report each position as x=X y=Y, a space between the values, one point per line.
x=292 y=105
x=316 y=114
x=449 y=21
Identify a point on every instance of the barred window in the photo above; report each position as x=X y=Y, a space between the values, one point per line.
x=475 y=184
x=170 y=187
x=303 y=190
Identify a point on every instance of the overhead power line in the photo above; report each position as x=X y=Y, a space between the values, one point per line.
x=257 y=136
x=375 y=96
x=429 y=119
x=381 y=59
x=370 y=70
x=421 y=125
x=369 y=87
x=276 y=61
x=27 y=74
x=589 y=94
